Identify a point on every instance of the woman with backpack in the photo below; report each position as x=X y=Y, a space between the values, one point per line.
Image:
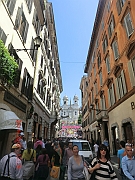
x=29 y=158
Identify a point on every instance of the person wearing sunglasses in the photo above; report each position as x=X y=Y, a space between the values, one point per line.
x=101 y=167
x=128 y=163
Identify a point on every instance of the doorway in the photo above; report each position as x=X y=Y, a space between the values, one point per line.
x=128 y=133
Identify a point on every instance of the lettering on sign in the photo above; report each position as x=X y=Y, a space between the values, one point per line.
x=132 y=105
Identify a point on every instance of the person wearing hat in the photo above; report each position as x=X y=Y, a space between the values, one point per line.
x=11 y=165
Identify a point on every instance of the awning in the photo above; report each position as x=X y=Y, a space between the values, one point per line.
x=9 y=120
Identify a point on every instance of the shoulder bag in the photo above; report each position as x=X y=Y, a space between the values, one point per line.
x=55 y=172
x=86 y=173
x=28 y=168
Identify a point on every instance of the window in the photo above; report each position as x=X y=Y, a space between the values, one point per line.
x=3 y=36
x=120 y=85
x=111 y=96
x=21 y=23
x=115 y=50
x=95 y=85
x=107 y=61
x=92 y=95
x=75 y=113
x=105 y=43
x=29 y=4
x=128 y=25
x=97 y=43
x=99 y=60
x=102 y=24
x=111 y=26
x=102 y=102
x=36 y=22
x=108 y=6
x=27 y=85
x=120 y=4
x=11 y=5
x=95 y=71
x=101 y=79
x=131 y=70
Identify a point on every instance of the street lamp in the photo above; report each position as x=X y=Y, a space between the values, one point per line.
x=37 y=43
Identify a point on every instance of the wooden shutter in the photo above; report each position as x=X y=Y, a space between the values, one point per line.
x=25 y=31
x=24 y=80
x=124 y=82
x=119 y=8
x=11 y=6
x=113 y=96
x=30 y=94
x=3 y=37
x=117 y=89
x=113 y=21
x=109 y=102
x=18 y=17
x=115 y=50
x=109 y=31
x=131 y=73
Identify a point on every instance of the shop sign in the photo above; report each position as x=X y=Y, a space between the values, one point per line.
x=29 y=125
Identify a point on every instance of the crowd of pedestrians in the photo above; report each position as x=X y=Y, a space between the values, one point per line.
x=37 y=160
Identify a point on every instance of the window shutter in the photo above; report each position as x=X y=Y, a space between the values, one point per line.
x=113 y=96
x=117 y=89
x=109 y=102
x=131 y=73
x=113 y=21
x=118 y=7
x=115 y=50
x=25 y=32
x=24 y=80
x=18 y=17
x=30 y=94
x=100 y=76
x=124 y=82
x=3 y=37
x=32 y=47
x=128 y=24
x=109 y=31
x=11 y=6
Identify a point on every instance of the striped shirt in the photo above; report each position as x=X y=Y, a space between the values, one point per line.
x=105 y=172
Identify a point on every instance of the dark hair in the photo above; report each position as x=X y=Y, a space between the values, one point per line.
x=38 y=148
x=40 y=138
x=29 y=146
x=101 y=147
x=44 y=152
x=74 y=146
x=122 y=143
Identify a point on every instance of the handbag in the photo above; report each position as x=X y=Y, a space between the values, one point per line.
x=86 y=173
x=55 y=172
x=28 y=168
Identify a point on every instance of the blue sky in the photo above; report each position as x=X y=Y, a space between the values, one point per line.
x=74 y=20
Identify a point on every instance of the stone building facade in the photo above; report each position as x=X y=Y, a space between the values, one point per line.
x=34 y=98
x=110 y=68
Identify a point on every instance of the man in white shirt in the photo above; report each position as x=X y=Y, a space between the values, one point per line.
x=11 y=165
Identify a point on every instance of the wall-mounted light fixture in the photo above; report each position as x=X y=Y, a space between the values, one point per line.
x=37 y=43
x=98 y=110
